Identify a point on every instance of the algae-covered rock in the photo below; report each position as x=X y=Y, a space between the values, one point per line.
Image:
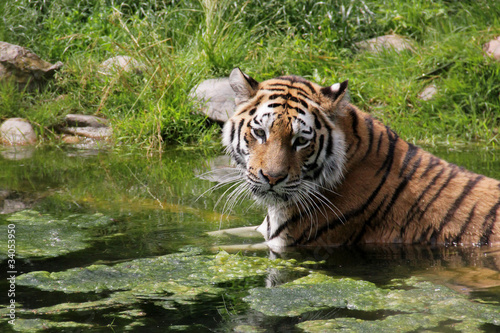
x=42 y=235
x=421 y=304
x=396 y=323
x=39 y=325
x=185 y=275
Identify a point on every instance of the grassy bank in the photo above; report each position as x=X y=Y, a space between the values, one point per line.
x=184 y=42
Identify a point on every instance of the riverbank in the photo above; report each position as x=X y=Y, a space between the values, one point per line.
x=181 y=44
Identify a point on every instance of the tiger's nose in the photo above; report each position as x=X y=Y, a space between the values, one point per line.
x=273 y=179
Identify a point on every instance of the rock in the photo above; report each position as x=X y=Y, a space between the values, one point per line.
x=121 y=63
x=492 y=48
x=99 y=133
x=387 y=42
x=25 y=67
x=17 y=131
x=216 y=98
x=80 y=120
x=428 y=92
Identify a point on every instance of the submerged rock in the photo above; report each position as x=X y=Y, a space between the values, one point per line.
x=215 y=98
x=17 y=131
x=24 y=67
x=387 y=42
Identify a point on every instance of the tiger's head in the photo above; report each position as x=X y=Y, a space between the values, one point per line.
x=284 y=138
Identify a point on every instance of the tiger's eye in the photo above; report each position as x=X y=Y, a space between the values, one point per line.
x=300 y=141
x=260 y=132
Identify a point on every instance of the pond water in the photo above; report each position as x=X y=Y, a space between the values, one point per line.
x=112 y=241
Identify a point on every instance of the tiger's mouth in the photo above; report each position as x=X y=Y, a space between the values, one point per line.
x=271 y=196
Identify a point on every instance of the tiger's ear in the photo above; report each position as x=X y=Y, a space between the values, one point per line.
x=243 y=85
x=336 y=92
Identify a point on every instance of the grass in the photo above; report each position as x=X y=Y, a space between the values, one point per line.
x=182 y=43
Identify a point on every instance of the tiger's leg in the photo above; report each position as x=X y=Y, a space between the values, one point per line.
x=246 y=232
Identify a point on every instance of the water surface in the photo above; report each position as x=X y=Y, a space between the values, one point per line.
x=112 y=241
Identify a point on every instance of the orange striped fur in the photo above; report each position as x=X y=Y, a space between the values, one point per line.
x=331 y=174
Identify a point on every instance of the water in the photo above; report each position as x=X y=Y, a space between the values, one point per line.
x=123 y=241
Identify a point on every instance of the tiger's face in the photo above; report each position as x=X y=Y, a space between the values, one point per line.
x=282 y=139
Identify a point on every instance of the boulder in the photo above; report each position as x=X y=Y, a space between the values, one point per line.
x=17 y=131
x=118 y=64
x=387 y=42
x=24 y=67
x=215 y=98
x=492 y=48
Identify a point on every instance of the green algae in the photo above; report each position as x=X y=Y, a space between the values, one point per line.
x=167 y=281
x=185 y=278
x=420 y=304
x=40 y=325
x=42 y=235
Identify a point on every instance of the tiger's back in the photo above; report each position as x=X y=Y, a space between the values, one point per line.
x=330 y=174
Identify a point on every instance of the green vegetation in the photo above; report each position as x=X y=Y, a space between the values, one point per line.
x=182 y=43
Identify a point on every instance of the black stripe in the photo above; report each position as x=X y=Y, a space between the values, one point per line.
x=240 y=125
x=414 y=208
x=470 y=185
x=401 y=188
x=434 y=161
x=252 y=111
x=410 y=153
x=393 y=138
x=317 y=123
x=369 y=126
x=294 y=219
x=379 y=142
x=453 y=174
x=329 y=147
x=356 y=238
x=268 y=227
x=275 y=105
x=299 y=89
x=458 y=238
x=354 y=125
x=492 y=215
x=233 y=130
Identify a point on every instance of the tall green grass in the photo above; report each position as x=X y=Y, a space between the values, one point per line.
x=182 y=43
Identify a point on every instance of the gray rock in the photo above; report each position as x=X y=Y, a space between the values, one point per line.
x=216 y=99
x=99 y=133
x=24 y=67
x=428 y=92
x=387 y=42
x=118 y=64
x=17 y=131
x=80 y=120
x=492 y=48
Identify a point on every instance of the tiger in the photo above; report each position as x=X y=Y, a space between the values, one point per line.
x=331 y=174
